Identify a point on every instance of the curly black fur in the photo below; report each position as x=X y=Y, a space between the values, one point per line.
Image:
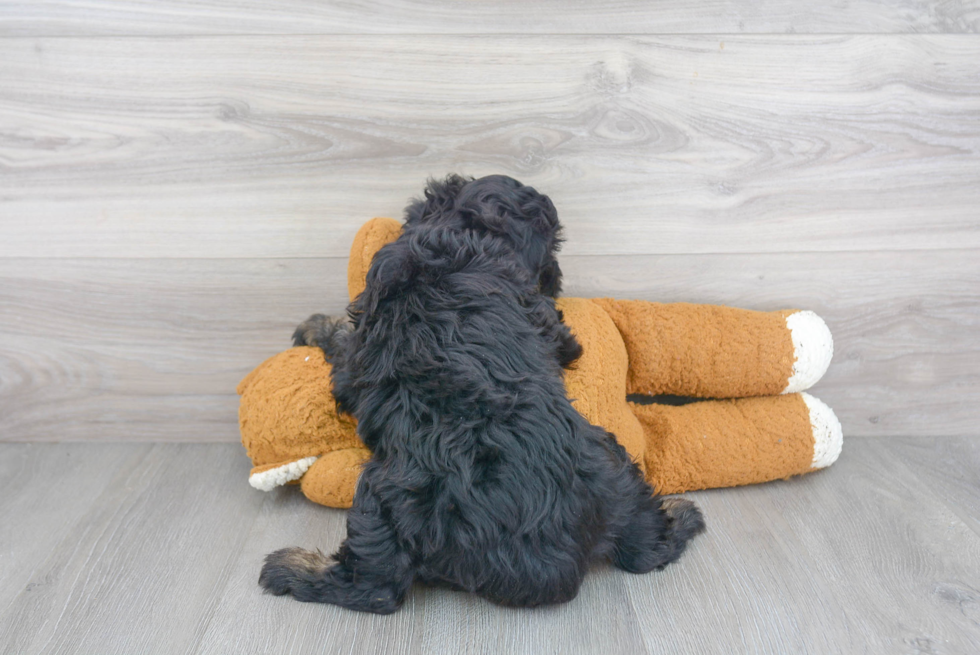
x=483 y=476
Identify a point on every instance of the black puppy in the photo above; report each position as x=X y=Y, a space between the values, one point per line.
x=483 y=476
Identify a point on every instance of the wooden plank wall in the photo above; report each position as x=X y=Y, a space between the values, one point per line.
x=180 y=182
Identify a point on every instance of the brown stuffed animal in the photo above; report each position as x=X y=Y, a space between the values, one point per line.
x=762 y=360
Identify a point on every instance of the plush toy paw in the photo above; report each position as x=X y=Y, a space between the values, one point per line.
x=813 y=347
x=332 y=479
x=269 y=477
x=828 y=437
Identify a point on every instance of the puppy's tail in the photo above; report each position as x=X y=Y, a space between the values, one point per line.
x=323 y=332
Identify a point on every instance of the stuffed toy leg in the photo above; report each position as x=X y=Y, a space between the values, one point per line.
x=727 y=443
x=705 y=351
x=710 y=351
x=764 y=360
x=293 y=434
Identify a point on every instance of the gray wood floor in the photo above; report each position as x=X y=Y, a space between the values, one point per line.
x=179 y=184
x=143 y=548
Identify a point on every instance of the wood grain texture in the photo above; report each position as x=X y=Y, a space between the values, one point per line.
x=280 y=147
x=859 y=558
x=75 y=17
x=152 y=349
x=951 y=467
x=145 y=349
x=864 y=557
x=46 y=490
x=143 y=568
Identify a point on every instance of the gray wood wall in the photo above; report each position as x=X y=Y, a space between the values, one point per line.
x=180 y=182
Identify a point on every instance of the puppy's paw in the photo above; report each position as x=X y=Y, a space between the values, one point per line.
x=686 y=518
x=323 y=332
x=292 y=569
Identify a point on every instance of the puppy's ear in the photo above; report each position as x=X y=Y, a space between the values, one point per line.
x=391 y=270
x=438 y=202
x=549 y=279
x=527 y=220
x=540 y=212
x=541 y=240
